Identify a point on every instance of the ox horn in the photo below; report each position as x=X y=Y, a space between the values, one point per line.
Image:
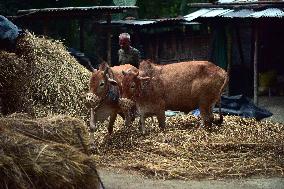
x=124 y=72
x=112 y=81
x=144 y=78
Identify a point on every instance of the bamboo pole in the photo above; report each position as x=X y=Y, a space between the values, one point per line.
x=255 y=67
x=229 y=56
x=109 y=39
x=82 y=39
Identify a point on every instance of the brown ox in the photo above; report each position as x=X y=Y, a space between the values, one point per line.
x=182 y=86
x=103 y=96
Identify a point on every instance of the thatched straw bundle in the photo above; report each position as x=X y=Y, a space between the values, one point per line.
x=239 y=148
x=61 y=129
x=42 y=78
x=29 y=163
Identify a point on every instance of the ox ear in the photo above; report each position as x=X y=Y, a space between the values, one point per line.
x=103 y=66
x=106 y=71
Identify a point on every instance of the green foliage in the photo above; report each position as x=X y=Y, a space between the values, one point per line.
x=124 y=2
x=158 y=8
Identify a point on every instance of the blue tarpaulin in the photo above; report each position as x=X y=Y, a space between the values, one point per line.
x=8 y=33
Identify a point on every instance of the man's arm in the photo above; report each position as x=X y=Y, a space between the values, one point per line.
x=119 y=57
x=137 y=58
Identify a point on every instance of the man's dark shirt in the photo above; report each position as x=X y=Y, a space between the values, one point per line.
x=131 y=56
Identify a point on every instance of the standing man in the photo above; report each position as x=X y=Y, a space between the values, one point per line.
x=127 y=54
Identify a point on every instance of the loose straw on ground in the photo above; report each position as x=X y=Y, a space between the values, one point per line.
x=239 y=148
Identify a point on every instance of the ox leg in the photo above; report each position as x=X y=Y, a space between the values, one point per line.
x=206 y=116
x=162 y=120
x=92 y=130
x=111 y=123
x=142 y=124
x=130 y=117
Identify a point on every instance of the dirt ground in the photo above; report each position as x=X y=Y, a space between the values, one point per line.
x=274 y=104
x=120 y=179
x=116 y=179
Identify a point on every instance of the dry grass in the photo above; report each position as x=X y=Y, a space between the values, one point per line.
x=61 y=129
x=239 y=148
x=42 y=79
x=28 y=163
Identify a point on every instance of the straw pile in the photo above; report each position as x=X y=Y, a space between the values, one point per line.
x=60 y=129
x=239 y=148
x=41 y=78
x=28 y=163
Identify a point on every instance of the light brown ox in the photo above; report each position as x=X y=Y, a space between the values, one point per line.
x=103 y=96
x=182 y=86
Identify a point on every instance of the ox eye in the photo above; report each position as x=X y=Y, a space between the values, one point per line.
x=132 y=86
x=102 y=83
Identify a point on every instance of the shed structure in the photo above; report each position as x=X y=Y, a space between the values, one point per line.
x=81 y=14
x=247 y=33
x=165 y=40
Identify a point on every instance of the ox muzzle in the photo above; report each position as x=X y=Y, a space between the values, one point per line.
x=92 y=100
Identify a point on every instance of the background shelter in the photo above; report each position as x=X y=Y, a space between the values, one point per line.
x=51 y=21
x=164 y=41
x=247 y=40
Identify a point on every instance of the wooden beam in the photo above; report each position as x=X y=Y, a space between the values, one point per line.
x=45 y=27
x=82 y=39
x=157 y=49
x=229 y=56
x=239 y=44
x=255 y=67
x=109 y=39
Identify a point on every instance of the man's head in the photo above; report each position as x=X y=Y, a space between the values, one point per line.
x=124 y=40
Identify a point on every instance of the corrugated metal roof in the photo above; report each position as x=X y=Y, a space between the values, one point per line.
x=243 y=13
x=147 y=22
x=196 y=14
x=270 y=12
x=66 y=11
x=231 y=13
x=216 y=12
x=236 y=1
x=78 y=8
x=134 y=22
x=244 y=1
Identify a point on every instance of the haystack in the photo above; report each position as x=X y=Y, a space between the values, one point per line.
x=28 y=163
x=61 y=129
x=240 y=148
x=42 y=78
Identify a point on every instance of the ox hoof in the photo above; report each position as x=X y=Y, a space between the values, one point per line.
x=94 y=149
x=142 y=131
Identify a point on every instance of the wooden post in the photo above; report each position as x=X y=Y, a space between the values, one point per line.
x=45 y=26
x=157 y=49
x=109 y=39
x=239 y=42
x=229 y=55
x=255 y=68
x=82 y=39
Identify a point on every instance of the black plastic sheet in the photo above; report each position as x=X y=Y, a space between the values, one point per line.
x=242 y=106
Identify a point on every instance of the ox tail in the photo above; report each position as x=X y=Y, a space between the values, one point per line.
x=220 y=120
